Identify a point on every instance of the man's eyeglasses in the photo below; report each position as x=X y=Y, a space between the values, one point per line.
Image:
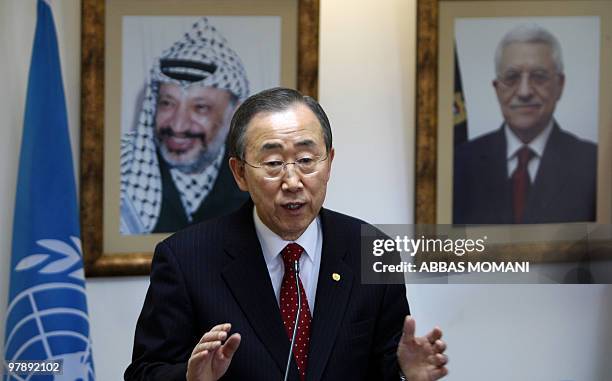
x=273 y=169
x=513 y=78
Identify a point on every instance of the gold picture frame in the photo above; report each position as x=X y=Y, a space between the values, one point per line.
x=428 y=168
x=99 y=262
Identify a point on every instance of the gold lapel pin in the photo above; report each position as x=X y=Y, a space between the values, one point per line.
x=336 y=277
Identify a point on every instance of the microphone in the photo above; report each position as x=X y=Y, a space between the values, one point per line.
x=296 y=268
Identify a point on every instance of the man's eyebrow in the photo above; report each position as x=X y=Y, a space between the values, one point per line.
x=271 y=146
x=201 y=99
x=166 y=95
x=306 y=143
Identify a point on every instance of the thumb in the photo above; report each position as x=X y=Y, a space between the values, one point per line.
x=230 y=346
x=409 y=328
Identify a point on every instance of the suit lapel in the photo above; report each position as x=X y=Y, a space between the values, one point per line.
x=494 y=165
x=249 y=281
x=331 y=300
x=549 y=183
x=494 y=172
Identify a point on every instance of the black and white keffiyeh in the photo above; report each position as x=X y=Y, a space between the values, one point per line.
x=194 y=188
x=201 y=57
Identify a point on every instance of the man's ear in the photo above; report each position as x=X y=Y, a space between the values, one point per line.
x=495 y=84
x=330 y=157
x=237 y=167
x=561 y=85
x=497 y=87
x=331 y=154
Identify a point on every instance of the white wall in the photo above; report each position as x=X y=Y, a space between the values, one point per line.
x=367 y=86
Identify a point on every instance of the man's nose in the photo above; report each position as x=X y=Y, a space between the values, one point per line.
x=291 y=178
x=180 y=120
x=524 y=87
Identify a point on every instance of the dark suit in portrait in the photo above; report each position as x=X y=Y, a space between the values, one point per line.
x=214 y=272
x=223 y=198
x=564 y=189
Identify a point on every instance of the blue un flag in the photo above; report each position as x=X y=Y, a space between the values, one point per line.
x=47 y=312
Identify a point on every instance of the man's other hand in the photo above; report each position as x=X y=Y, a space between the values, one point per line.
x=421 y=358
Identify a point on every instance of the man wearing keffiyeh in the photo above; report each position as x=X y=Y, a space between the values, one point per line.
x=174 y=168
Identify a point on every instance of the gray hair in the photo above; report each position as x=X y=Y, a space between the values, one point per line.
x=529 y=33
x=272 y=100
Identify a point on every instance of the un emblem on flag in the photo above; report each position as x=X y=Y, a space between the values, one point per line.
x=48 y=319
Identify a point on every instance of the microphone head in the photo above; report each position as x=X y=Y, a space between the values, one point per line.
x=296 y=266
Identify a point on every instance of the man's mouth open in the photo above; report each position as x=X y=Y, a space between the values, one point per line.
x=179 y=145
x=179 y=142
x=293 y=206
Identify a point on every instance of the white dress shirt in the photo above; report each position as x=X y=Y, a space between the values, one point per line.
x=310 y=261
x=537 y=145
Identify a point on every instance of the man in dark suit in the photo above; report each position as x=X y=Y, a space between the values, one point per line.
x=240 y=274
x=529 y=170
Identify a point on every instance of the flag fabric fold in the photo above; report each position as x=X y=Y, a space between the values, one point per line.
x=47 y=315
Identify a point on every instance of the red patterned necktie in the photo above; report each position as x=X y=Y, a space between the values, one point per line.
x=520 y=183
x=289 y=304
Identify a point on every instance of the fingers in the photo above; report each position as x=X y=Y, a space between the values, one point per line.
x=434 y=335
x=438 y=373
x=225 y=327
x=439 y=346
x=209 y=346
x=213 y=353
x=212 y=336
x=198 y=358
x=202 y=355
x=422 y=355
x=438 y=360
x=212 y=339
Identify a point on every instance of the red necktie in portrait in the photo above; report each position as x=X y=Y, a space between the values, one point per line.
x=520 y=183
x=289 y=304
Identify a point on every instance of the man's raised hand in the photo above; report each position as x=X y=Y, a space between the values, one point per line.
x=421 y=358
x=213 y=354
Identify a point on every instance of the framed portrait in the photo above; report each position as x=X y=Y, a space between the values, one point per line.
x=160 y=81
x=481 y=97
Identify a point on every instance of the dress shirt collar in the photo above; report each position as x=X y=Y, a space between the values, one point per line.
x=537 y=145
x=272 y=244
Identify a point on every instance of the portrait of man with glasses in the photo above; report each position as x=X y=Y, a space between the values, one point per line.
x=530 y=170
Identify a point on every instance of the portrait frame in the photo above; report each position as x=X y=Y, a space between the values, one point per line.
x=99 y=262
x=428 y=193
